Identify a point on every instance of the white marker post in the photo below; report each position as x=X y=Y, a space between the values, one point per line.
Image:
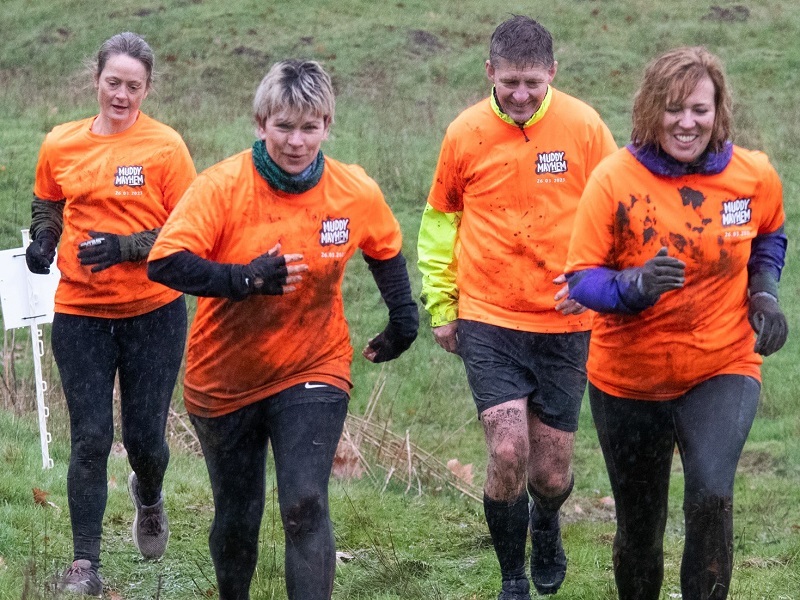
x=28 y=300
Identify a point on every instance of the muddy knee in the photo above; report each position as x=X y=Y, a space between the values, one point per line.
x=304 y=516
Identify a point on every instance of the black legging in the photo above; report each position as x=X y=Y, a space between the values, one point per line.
x=710 y=424
x=146 y=351
x=304 y=429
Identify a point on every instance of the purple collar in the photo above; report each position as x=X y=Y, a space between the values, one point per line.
x=661 y=163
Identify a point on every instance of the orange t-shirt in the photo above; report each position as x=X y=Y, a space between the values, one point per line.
x=708 y=221
x=518 y=200
x=242 y=352
x=122 y=183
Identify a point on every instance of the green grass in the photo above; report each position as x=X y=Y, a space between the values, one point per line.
x=402 y=71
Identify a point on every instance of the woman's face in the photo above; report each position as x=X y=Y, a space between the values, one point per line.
x=686 y=126
x=293 y=140
x=121 y=88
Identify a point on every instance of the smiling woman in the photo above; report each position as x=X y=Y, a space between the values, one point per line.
x=678 y=245
x=688 y=123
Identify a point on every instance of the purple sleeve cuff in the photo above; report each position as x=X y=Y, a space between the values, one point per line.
x=767 y=254
x=606 y=290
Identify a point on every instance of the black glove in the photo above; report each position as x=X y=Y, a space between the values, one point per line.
x=660 y=274
x=102 y=251
x=768 y=321
x=391 y=343
x=266 y=275
x=40 y=253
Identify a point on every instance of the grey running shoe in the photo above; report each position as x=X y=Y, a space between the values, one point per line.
x=150 y=524
x=515 y=589
x=548 y=561
x=81 y=578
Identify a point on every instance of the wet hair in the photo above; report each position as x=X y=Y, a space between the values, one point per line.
x=522 y=42
x=669 y=79
x=129 y=44
x=301 y=87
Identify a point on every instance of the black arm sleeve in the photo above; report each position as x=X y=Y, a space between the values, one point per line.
x=47 y=215
x=391 y=277
x=190 y=274
x=136 y=246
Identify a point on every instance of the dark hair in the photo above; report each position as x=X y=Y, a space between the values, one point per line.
x=129 y=44
x=669 y=79
x=522 y=41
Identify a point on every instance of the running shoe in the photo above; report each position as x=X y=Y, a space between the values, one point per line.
x=81 y=578
x=515 y=589
x=548 y=561
x=150 y=524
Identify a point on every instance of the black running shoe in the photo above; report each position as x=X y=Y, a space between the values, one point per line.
x=548 y=561
x=515 y=589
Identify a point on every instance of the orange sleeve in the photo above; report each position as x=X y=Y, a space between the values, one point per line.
x=772 y=191
x=193 y=224
x=178 y=177
x=382 y=239
x=592 y=235
x=447 y=190
x=602 y=144
x=45 y=186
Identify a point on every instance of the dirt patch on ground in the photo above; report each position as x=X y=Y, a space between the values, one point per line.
x=257 y=56
x=55 y=36
x=729 y=14
x=757 y=462
x=424 y=42
x=588 y=509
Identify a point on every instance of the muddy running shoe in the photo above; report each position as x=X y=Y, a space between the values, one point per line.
x=515 y=589
x=150 y=525
x=81 y=578
x=548 y=561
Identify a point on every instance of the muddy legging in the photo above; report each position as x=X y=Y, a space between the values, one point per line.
x=146 y=352
x=303 y=426
x=710 y=424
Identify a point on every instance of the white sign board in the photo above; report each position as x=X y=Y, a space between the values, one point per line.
x=27 y=299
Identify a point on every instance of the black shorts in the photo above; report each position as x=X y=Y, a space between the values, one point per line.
x=549 y=369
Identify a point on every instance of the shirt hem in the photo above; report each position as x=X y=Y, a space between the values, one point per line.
x=527 y=322
x=119 y=311
x=206 y=406
x=629 y=394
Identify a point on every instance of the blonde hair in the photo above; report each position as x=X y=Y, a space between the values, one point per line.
x=299 y=86
x=669 y=79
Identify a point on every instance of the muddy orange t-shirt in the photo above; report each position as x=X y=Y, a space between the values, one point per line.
x=518 y=193
x=123 y=183
x=242 y=352
x=708 y=221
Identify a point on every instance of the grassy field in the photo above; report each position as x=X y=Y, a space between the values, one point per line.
x=402 y=71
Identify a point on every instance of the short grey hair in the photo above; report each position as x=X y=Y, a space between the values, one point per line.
x=299 y=86
x=521 y=41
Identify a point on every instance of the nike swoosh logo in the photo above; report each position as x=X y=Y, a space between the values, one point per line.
x=311 y=386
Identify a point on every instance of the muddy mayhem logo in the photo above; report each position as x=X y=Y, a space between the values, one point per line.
x=551 y=162
x=736 y=212
x=132 y=176
x=334 y=232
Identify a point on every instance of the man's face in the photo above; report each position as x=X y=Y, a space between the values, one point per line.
x=520 y=89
